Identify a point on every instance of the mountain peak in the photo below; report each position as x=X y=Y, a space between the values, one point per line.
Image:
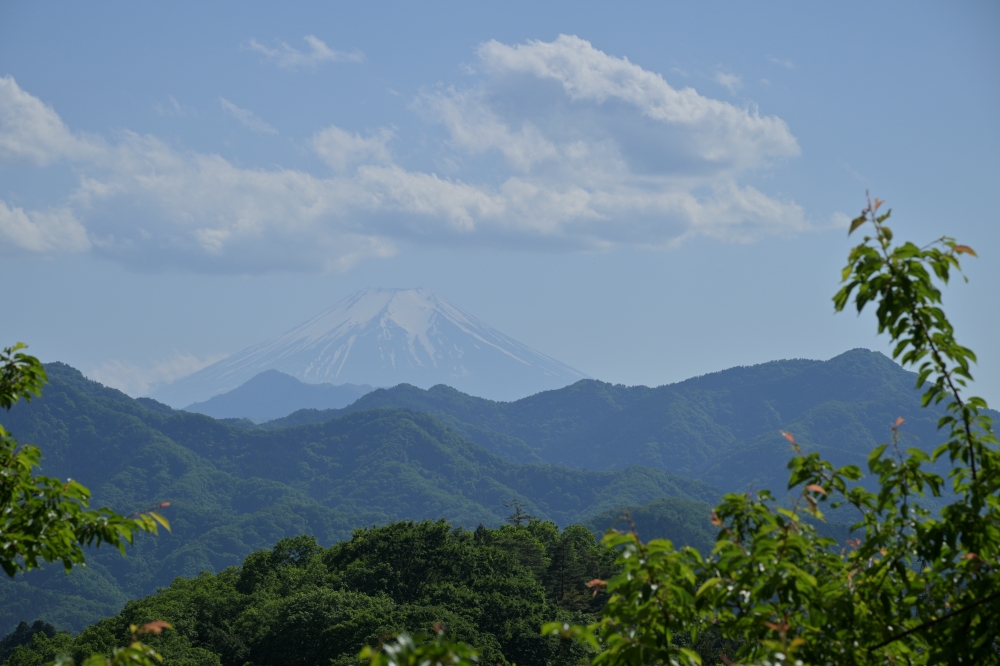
x=385 y=337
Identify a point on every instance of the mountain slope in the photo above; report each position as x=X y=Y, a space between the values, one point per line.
x=234 y=490
x=271 y=394
x=723 y=428
x=386 y=337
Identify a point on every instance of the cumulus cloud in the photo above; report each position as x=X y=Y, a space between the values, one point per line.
x=285 y=56
x=246 y=118
x=551 y=145
x=136 y=380
x=714 y=131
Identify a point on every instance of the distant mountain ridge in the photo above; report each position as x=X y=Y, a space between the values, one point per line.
x=272 y=394
x=722 y=428
x=385 y=337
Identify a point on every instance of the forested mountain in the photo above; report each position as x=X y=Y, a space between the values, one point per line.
x=299 y=604
x=575 y=455
x=234 y=490
x=723 y=428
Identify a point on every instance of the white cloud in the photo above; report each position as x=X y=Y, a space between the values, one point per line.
x=475 y=127
x=732 y=82
x=136 y=380
x=342 y=150
x=45 y=232
x=716 y=131
x=289 y=58
x=174 y=108
x=787 y=64
x=31 y=131
x=553 y=145
x=246 y=118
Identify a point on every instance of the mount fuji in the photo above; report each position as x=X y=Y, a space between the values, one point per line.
x=385 y=337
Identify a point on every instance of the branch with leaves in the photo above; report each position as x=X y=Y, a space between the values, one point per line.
x=43 y=519
x=919 y=587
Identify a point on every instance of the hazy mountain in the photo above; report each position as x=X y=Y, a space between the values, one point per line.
x=272 y=394
x=387 y=337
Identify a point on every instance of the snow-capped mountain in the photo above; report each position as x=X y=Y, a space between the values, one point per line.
x=385 y=337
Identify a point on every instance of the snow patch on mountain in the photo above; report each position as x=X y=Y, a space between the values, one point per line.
x=385 y=337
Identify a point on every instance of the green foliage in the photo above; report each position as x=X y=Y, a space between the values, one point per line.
x=21 y=376
x=22 y=635
x=918 y=587
x=136 y=652
x=301 y=604
x=44 y=519
x=425 y=651
x=683 y=521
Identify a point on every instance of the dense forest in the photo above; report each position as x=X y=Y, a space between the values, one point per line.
x=300 y=604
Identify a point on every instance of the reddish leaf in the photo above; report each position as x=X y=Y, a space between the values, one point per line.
x=154 y=627
x=965 y=249
x=813 y=488
x=789 y=437
x=899 y=422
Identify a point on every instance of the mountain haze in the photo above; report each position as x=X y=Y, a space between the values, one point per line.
x=272 y=394
x=385 y=337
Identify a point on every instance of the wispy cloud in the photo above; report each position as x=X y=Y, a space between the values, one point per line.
x=731 y=82
x=554 y=145
x=137 y=380
x=246 y=117
x=787 y=64
x=342 y=150
x=857 y=176
x=285 y=56
x=174 y=108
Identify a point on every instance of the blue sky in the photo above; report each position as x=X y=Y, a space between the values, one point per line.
x=645 y=191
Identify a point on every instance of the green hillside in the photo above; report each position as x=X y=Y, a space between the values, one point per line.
x=233 y=490
x=723 y=428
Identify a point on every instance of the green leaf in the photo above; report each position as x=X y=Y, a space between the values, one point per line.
x=857 y=222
